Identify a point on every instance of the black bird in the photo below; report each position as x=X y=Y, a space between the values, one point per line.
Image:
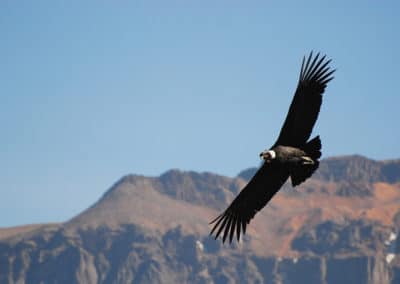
x=291 y=155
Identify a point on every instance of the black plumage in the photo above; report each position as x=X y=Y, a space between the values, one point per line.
x=291 y=155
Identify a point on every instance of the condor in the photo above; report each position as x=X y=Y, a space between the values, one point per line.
x=293 y=154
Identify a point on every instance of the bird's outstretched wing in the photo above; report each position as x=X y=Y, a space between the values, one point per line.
x=304 y=109
x=254 y=196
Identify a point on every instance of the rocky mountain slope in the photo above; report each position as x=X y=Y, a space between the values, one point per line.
x=340 y=226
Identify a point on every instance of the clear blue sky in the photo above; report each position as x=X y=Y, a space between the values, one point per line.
x=93 y=90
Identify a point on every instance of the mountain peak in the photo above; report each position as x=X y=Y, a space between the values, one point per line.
x=137 y=199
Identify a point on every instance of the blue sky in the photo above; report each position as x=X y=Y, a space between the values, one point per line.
x=93 y=90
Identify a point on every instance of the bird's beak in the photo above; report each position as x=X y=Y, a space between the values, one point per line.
x=262 y=155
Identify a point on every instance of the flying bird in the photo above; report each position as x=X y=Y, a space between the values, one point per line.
x=293 y=154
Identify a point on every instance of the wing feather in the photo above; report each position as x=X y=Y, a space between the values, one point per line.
x=222 y=226
x=306 y=67
x=316 y=69
x=253 y=197
x=238 y=222
x=303 y=111
x=312 y=66
x=228 y=225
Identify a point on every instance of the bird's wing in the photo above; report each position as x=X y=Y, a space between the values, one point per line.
x=253 y=197
x=304 y=109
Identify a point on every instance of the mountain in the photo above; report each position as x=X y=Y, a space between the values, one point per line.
x=340 y=226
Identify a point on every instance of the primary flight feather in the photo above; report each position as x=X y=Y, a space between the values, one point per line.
x=292 y=155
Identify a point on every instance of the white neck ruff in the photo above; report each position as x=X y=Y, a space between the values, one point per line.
x=272 y=153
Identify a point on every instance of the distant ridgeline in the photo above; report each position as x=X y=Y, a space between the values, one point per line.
x=351 y=168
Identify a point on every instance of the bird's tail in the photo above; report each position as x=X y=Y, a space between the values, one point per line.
x=313 y=150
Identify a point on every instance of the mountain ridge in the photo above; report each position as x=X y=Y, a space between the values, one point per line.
x=368 y=169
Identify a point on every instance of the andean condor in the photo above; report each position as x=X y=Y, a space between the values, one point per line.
x=291 y=155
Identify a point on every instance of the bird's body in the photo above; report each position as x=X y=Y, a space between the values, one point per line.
x=289 y=155
x=300 y=163
x=292 y=155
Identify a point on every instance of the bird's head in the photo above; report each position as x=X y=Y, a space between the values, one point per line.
x=268 y=155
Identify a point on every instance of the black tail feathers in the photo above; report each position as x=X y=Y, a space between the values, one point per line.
x=301 y=173
x=313 y=148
